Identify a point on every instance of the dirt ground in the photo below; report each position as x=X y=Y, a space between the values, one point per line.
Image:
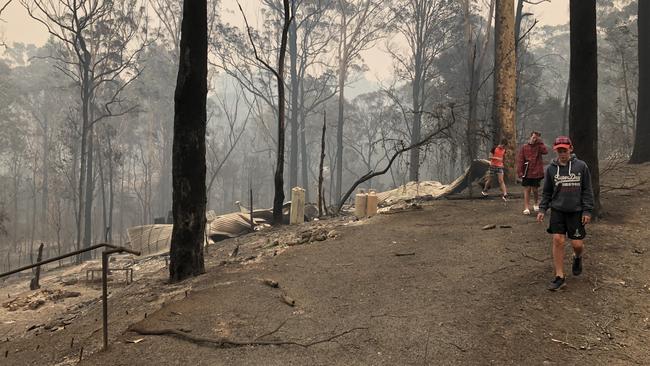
x=414 y=288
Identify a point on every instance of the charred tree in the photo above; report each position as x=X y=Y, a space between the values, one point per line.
x=321 y=199
x=293 y=55
x=641 y=153
x=188 y=159
x=278 y=198
x=583 y=84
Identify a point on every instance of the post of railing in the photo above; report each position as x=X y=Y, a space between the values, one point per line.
x=105 y=255
x=105 y=297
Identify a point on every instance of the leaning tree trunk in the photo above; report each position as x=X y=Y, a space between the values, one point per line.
x=583 y=84
x=188 y=159
x=505 y=70
x=641 y=151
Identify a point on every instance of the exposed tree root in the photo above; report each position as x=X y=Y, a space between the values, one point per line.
x=229 y=343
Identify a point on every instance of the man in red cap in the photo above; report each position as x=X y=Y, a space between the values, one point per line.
x=530 y=168
x=567 y=192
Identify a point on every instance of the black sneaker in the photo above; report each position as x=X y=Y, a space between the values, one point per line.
x=557 y=283
x=577 y=265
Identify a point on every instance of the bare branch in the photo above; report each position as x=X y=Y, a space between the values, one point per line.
x=371 y=174
x=528 y=31
x=532 y=2
x=5 y=6
x=250 y=37
x=226 y=343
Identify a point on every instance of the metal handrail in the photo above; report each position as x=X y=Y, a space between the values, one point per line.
x=63 y=256
x=105 y=254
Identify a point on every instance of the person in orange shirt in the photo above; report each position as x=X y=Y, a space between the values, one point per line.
x=496 y=168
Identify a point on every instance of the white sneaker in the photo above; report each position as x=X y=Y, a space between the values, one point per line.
x=535 y=208
x=526 y=212
x=484 y=194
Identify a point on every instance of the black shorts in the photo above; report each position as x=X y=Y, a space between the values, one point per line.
x=531 y=182
x=569 y=223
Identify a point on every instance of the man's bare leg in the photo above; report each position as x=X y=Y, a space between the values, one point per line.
x=558 y=254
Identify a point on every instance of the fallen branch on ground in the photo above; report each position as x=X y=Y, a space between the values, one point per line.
x=596 y=287
x=565 y=343
x=535 y=259
x=605 y=328
x=274 y=330
x=404 y=254
x=229 y=343
x=457 y=346
x=502 y=268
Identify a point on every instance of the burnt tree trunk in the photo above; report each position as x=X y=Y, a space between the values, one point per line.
x=418 y=92
x=641 y=152
x=321 y=198
x=304 y=157
x=188 y=159
x=90 y=188
x=34 y=283
x=278 y=198
x=583 y=84
x=339 y=135
x=45 y=183
x=111 y=198
x=293 y=55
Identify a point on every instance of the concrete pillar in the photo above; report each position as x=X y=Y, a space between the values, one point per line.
x=297 y=206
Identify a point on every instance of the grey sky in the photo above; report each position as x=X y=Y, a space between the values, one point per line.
x=18 y=27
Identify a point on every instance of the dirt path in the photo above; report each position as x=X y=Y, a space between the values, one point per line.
x=427 y=287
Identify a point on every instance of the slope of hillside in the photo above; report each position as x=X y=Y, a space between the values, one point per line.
x=420 y=287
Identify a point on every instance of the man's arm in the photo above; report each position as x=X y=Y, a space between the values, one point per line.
x=542 y=148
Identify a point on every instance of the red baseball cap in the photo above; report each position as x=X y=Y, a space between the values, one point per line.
x=562 y=142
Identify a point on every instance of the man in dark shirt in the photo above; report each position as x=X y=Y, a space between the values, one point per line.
x=568 y=193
